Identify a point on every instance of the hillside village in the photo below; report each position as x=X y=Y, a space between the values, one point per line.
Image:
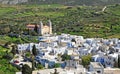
x=59 y=39
x=65 y=53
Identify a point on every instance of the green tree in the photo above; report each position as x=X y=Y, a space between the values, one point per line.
x=14 y=50
x=86 y=60
x=57 y=65
x=36 y=28
x=34 y=50
x=26 y=69
x=33 y=33
x=34 y=53
x=27 y=54
x=7 y=55
x=65 y=57
x=7 y=44
x=33 y=62
x=39 y=66
x=5 y=30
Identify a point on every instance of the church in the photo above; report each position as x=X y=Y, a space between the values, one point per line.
x=43 y=29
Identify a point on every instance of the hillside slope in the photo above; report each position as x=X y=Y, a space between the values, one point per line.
x=88 y=21
x=13 y=1
x=65 y=2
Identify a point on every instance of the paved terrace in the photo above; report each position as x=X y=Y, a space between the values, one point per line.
x=111 y=71
x=60 y=70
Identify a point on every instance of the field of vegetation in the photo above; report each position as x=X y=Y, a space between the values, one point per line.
x=6 y=54
x=89 y=21
x=5 y=66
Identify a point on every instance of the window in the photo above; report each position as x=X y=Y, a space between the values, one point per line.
x=98 y=71
x=72 y=64
x=19 y=47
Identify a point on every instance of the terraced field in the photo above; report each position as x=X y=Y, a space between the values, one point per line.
x=89 y=21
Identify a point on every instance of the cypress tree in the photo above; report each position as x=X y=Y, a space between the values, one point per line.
x=36 y=28
x=26 y=69
x=34 y=50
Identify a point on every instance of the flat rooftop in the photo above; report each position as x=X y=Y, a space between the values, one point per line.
x=111 y=71
x=96 y=65
x=60 y=70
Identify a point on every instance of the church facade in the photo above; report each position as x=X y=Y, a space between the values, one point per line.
x=45 y=29
x=42 y=28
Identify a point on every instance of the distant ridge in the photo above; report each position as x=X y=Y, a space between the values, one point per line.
x=64 y=2
x=13 y=1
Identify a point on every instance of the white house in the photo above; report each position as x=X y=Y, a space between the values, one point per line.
x=83 y=51
x=96 y=67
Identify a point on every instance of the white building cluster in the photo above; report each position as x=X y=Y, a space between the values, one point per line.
x=104 y=51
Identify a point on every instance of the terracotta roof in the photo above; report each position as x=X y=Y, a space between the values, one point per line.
x=31 y=25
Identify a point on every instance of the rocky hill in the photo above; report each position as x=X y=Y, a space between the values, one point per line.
x=13 y=1
x=65 y=2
